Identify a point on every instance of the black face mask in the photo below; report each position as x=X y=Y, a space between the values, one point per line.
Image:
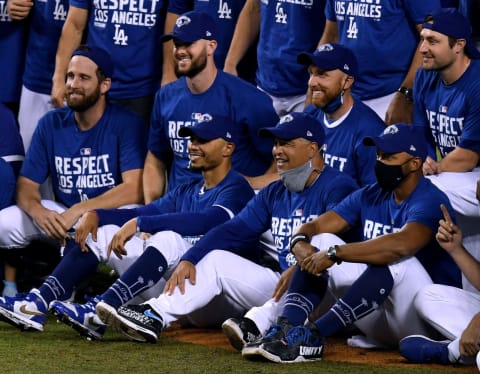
x=389 y=176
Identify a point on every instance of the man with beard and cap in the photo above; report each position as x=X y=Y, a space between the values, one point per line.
x=374 y=280
x=90 y=150
x=345 y=119
x=202 y=88
x=210 y=285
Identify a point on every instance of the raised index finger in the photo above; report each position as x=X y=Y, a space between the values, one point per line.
x=446 y=214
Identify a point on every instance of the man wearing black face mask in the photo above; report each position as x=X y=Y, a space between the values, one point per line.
x=346 y=121
x=375 y=280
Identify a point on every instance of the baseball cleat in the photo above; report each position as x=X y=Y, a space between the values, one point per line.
x=420 y=349
x=25 y=313
x=241 y=331
x=80 y=317
x=301 y=344
x=276 y=332
x=106 y=312
x=138 y=322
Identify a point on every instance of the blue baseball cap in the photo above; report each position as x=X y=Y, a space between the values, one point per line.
x=211 y=126
x=192 y=26
x=99 y=56
x=296 y=125
x=331 y=56
x=401 y=138
x=451 y=22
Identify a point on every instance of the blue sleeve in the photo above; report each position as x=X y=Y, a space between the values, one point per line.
x=184 y=223
x=233 y=236
x=344 y=186
x=7 y=190
x=158 y=143
x=350 y=208
x=133 y=140
x=330 y=11
x=82 y=4
x=470 y=137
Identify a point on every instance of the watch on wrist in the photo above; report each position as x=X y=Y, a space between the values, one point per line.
x=298 y=238
x=407 y=92
x=332 y=254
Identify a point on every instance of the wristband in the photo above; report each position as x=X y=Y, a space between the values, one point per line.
x=407 y=92
x=298 y=238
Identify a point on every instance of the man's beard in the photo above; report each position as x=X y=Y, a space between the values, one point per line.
x=197 y=66
x=82 y=105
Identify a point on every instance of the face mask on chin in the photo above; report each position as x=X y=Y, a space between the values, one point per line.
x=334 y=104
x=295 y=179
x=389 y=177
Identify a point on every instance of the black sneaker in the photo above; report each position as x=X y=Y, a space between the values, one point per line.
x=276 y=332
x=138 y=322
x=240 y=331
x=301 y=344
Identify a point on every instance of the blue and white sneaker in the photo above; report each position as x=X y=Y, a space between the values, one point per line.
x=301 y=344
x=26 y=312
x=276 y=332
x=80 y=317
x=420 y=349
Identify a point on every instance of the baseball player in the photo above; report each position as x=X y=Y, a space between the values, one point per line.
x=447 y=102
x=345 y=120
x=45 y=22
x=129 y=32
x=284 y=29
x=384 y=36
x=91 y=150
x=374 y=280
x=177 y=221
x=225 y=13
x=202 y=88
x=452 y=311
x=224 y=283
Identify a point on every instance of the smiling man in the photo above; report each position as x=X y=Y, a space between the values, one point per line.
x=92 y=151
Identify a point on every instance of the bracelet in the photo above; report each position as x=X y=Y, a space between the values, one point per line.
x=298 y=238
x=332 y=254
x=407 y=92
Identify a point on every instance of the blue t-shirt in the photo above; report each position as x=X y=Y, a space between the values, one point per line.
x=225 y=14
x=7 y=188
x=383 y=37
x=12 y=56
x=85 y=164
x=46 y=21
x=279 y=210
x=451 y=113
x=231 y=194
x=343 y=147
x=287 y=29
x=176 y=107
x=130 y=31
x=376 y=211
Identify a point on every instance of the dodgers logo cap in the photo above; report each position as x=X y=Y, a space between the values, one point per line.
x=401 y=137
x=99 y=56
x=192 y=26
x=331 y=56
x=296 y=125
x=451 y=22
x=211 y=126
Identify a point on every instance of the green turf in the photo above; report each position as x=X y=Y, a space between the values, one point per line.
x=60 y=350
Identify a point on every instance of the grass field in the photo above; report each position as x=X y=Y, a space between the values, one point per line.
x=60 y=350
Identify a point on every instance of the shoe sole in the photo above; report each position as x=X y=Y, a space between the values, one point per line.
x=274 y=358
x=133 y=331
x=106 y=312
x=20 y=322
x=234 y=334
x=252 y=352
x=78 y=327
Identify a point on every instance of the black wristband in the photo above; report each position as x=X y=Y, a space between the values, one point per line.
x=407 y=92
x=298 y=238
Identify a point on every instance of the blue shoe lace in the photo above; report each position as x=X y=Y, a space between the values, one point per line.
x=298 y=334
